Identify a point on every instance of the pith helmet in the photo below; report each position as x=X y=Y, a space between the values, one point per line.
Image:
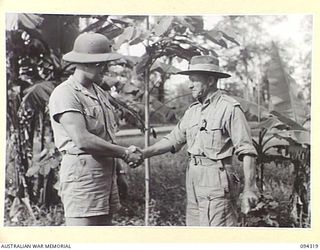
x=91 y=48
x=204 y=64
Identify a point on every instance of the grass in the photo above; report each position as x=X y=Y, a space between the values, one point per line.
x=167 y=195
x=166 y=186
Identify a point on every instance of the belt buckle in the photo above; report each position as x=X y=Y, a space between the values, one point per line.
x=194 y=159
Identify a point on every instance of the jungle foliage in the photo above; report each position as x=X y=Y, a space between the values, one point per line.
x=35 y=44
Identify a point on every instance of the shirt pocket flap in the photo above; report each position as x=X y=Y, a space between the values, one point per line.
x=92 y=111
x=213 y=138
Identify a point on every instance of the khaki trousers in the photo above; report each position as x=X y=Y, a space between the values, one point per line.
x=210 y=194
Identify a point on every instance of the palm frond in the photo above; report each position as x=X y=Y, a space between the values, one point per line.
x=37 y=96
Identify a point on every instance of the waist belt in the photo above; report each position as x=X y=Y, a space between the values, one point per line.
x=205 y=161
x=67 y=152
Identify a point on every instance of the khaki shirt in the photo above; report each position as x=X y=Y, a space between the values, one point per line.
x=216 y=129
x=96 y=110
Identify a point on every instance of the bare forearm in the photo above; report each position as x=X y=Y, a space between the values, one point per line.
x=160 y=147
x=75 y=126
x=95 y=145
x=249 y=173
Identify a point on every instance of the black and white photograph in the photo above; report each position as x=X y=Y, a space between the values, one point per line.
x=158 y=120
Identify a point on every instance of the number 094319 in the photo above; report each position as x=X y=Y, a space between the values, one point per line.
x=309 y=246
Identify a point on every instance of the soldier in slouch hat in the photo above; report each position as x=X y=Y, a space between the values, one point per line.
x=214 y=129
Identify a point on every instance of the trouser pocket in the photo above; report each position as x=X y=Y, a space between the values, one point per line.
x=233 y=183
x=215 y=208
x=72 y=167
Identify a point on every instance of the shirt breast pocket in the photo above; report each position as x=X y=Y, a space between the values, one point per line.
x=213 y=139
x=94 y=118
x=111 y=117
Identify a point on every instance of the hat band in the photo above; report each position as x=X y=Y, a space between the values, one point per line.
x=204 y=67
x=92 y=51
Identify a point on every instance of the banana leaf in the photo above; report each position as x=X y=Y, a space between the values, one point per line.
x=283 y=89
x=38 y=94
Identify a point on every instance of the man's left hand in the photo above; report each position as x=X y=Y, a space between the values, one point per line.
x=122 y=186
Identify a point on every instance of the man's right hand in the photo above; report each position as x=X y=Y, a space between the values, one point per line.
x=134 y=157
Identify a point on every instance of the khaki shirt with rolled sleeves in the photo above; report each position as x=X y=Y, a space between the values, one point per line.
x=215 y=129
x=96 y=110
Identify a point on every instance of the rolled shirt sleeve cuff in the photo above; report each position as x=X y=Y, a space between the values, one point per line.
x=57 y=113
x=245 y=150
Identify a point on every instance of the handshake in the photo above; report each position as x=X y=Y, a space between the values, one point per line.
x=133 y=156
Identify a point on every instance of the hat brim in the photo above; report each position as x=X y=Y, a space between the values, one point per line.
x=216 y=73
x=76 y=57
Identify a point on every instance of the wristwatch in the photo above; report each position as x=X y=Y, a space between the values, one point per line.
x=121 y=171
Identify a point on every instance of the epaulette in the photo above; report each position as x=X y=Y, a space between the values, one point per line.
x=193 y=104
x=230 y=99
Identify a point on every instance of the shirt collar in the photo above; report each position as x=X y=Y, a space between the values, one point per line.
x=79 y=87
x=211 y=98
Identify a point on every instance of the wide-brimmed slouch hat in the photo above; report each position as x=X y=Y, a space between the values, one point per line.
x=204 y=64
